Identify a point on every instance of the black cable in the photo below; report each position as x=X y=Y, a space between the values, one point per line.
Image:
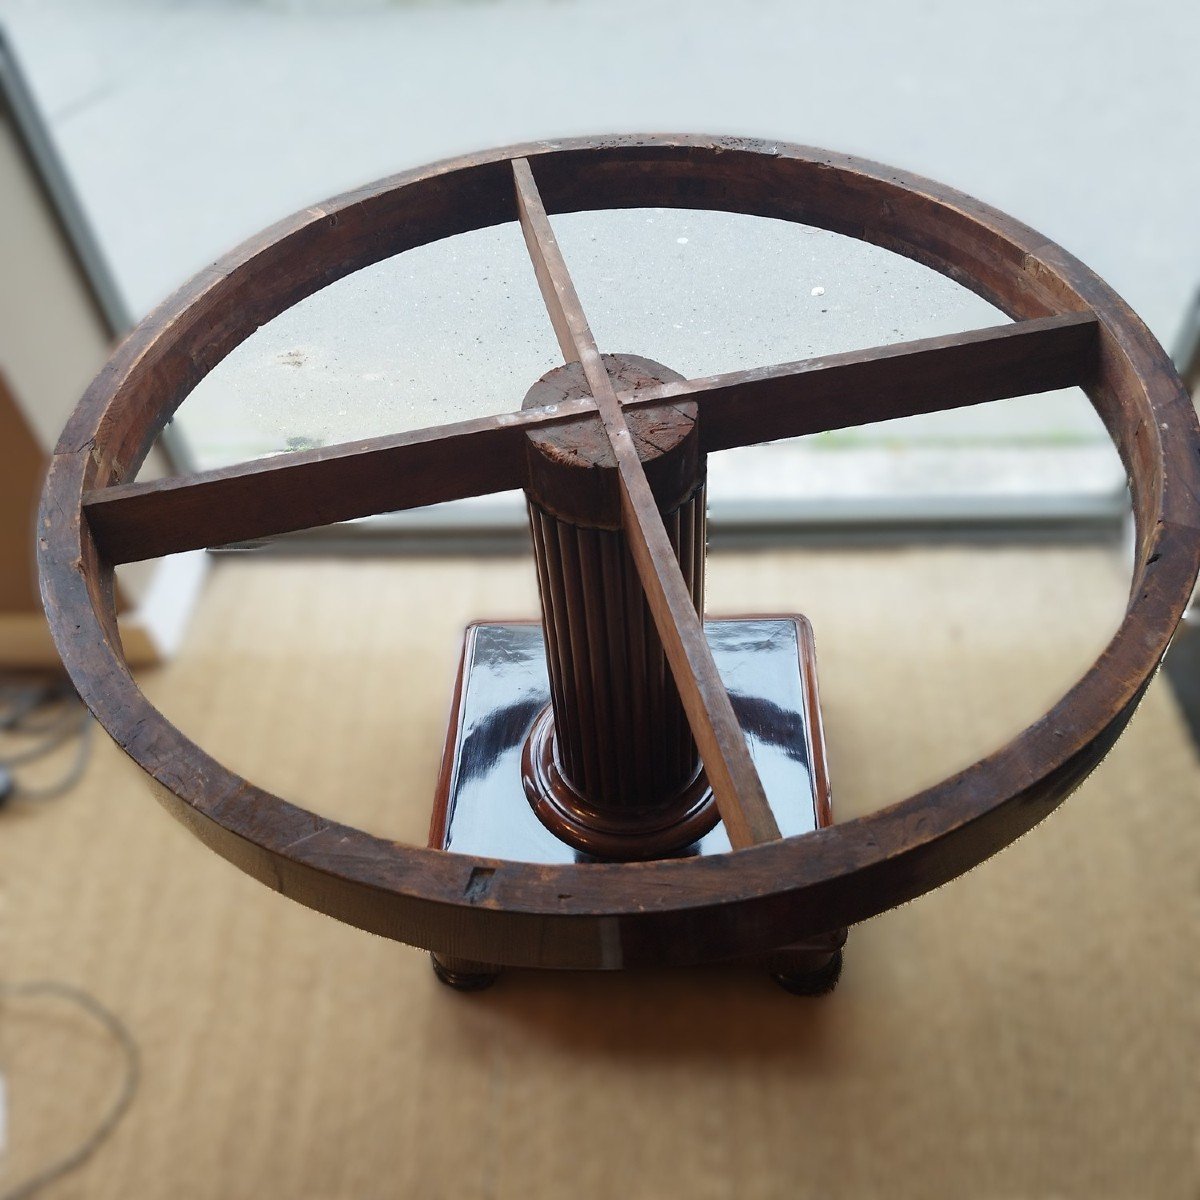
x=74 y=774
x=62 y=731
x=56 y=705
x=19 y=700
x=23 y=714
x=51 y=713
x=116 y=1110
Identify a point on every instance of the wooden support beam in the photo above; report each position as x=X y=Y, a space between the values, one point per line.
x=739 y=793
x=278 y=495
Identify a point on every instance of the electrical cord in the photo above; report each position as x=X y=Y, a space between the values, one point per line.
x=116 y=1110
x=83 y=732
x=47 y=714
x=42 y=715
x=20 y=700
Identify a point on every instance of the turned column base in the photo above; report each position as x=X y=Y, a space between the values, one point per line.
x=657 y=832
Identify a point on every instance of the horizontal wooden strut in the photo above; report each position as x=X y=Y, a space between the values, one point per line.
x=700 y=909
x=738 y=791
x=288 y=492
x=884 y=382
x=474 y=458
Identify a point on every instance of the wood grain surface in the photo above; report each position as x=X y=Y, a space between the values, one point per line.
x=615 y=915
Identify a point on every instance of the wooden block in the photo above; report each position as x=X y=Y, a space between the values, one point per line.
x=22 y=466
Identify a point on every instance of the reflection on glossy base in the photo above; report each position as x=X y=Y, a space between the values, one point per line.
x=768 y=667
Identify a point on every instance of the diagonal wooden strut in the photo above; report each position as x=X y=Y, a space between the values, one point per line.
x=277 y=495
x=736 y=786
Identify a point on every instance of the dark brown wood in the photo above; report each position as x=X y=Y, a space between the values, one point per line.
x=609 y=777
x=338 y=483
x=885 y=382
x=731 y=774
x=822 y=792
x=558 y=291
x=466 y=975
x=572 y=467
x=610 y=915
x=278 y=495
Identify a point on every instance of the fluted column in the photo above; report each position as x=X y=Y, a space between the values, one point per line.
x=612 y=767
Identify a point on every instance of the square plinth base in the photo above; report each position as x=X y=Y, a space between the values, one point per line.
x=768 y=667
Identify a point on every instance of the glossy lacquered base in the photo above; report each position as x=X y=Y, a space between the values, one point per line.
x=486 y=806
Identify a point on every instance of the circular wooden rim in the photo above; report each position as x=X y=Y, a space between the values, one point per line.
x=610 y=915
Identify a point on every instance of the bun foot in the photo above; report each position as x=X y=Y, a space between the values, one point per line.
x=803 y=979
x=462 y=974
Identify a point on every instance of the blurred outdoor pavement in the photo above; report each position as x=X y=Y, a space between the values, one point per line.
x=188 y=125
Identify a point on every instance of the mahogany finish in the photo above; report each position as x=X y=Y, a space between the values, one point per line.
x=613 y=769
x=736 y=787
x=287 y=492
x=1070 y=328
x=571 y=470
x=479 y=807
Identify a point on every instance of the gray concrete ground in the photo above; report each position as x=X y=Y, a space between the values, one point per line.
x=188 y=126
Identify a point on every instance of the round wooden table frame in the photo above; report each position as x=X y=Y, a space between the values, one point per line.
x=1068 y=328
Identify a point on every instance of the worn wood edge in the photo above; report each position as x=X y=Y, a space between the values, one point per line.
x=148 y=520
x=163 y=332
x=150 y=633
